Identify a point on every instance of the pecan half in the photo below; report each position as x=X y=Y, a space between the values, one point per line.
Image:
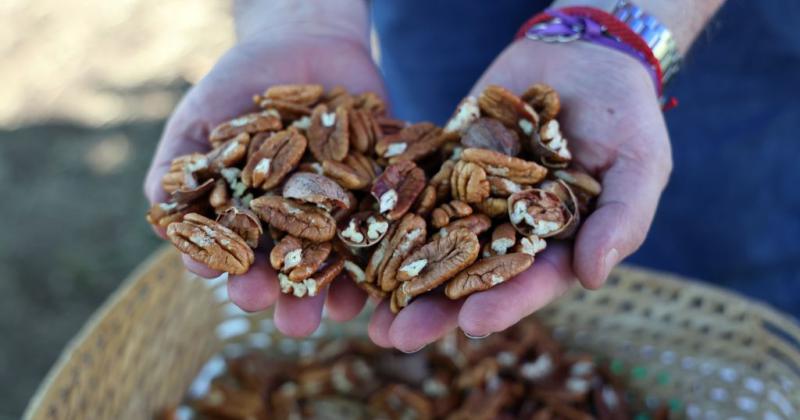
x=285 y=110
x=476 y=223
x=425 y=201
x=498 y=164
x=229 y=153
x=487 y=273
x=433 y=264
x=398 y=401
x=544 y=100
x=188 y=194
x=455 y=209
x=300 y=94
x=501 y=104
x=363 y=229
x=402 y=239
x=441 y=180
x=486 y=133
x=504 y=237
x=411 y=143
x=550 y=145
x=276 y=157
x=370 y=102
x=244 y=223
x=503 y=187
x=302 y=220
x=538 y=212
x=530 y=245
x=163 y=214
x=316 y=189
x=248 y=123
x=182 y=172
x=220 y=196
x=312 y=285
x=364 y=130
x=493 y=207
x=465 y=114
x=355 y=172
x=329 y=134
x=338 y=96
x=390 y=125
x=468 y=182
x=356 y=273
x=297 y=258
x=209 y=242
x=397 y=188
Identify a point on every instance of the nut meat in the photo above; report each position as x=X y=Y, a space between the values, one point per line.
x=210 y=243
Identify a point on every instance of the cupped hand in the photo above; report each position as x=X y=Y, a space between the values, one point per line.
x=615 y=129
x=245 y=70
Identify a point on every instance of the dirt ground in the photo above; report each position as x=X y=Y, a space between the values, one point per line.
x=88 y=85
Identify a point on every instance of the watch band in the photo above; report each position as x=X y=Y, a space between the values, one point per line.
x=654 y=33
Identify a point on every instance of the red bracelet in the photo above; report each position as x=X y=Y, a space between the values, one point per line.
x=599 y=27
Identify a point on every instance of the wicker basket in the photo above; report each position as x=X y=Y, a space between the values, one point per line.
x=705 y=352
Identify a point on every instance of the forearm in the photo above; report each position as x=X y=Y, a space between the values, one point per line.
x=346 y=19
x=684 y=18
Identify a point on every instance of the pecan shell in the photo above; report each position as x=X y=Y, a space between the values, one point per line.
x=276 y=157
x=538 y=212
x=397 y=188
x=301 y=220
x=550 y=145
x=209 y=242
x=487 y=273
x=316 y=189
x=329 y=134
x=486 y=133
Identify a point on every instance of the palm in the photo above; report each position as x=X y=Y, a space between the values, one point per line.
x=245 y=70
x=612 y=120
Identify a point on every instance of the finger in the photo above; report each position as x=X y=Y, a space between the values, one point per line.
x=345 y=300
x=504 y=305
x=424 y=321
x=620 y=223
x=255 y=290
x=299 y=317
x=199 y=268
x=380 y=323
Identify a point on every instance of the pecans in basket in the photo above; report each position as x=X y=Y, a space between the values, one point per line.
x=402 y=209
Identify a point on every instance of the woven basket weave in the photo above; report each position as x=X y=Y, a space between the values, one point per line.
x=704 y=352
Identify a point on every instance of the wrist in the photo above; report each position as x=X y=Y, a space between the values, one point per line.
x=280 y=20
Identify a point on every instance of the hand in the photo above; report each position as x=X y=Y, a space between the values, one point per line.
x=613 y=122
x=248 y=68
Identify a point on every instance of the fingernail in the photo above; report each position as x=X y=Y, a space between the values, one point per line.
x=475 y=337
x=414 y=351
x=612 y=258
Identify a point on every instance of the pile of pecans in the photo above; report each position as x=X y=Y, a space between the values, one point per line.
x=402 y=209
x=521 y=373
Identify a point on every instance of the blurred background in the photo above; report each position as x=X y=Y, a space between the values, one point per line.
x=87 y=85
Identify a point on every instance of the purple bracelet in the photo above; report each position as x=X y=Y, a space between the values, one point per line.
x=566 y=28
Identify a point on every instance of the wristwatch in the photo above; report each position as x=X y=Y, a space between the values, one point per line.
x=654 y=33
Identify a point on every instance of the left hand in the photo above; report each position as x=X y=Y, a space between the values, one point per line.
x=615 y=129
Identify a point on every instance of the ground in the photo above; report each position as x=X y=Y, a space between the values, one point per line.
x=88 y=86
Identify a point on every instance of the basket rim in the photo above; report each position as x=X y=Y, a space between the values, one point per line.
x=762 y=309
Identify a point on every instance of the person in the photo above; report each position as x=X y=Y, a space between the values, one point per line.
x=729 y=214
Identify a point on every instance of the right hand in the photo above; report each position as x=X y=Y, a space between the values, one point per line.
x=272 y=58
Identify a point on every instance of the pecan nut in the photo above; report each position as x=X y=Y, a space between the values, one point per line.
x=189 y=194
x=329 y=134
x=163 y=214
x=455 y=209
x=312 y=285
x=316 y=189
x=402 y=239
x=398 y=401
x=585 y=187
x=184 y=172
x=364 y=130
x=397 y=188
x=244 y=223
x=297 y=258
x=501 y=104
x=209 y=242
x=370 y=102
x=487 y=273
x=465 y=114
x=486 y=133
x=249 y=123
x=550 y=145
x=530 y=245
x=297 y=219
x=355 y=172
x=338 y=96
x=433 y=264
x=363 y=229
x=565 y=194
x=544 y=100
x=301 y=94
x=468 y=182
x=502 y=187
x=538 y=212
x=504 y=237
x=509 y=167
x=493 y=207
x=414 y=143
x=276 y=157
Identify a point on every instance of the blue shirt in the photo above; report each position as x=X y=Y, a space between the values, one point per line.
x=731 y=212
